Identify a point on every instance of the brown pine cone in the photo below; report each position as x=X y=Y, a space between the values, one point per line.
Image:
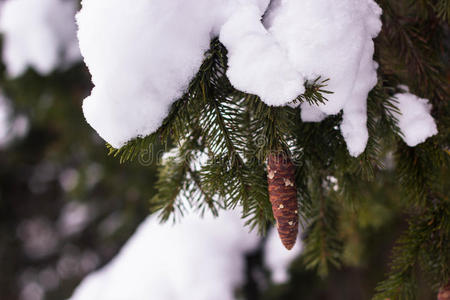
x=283 y=196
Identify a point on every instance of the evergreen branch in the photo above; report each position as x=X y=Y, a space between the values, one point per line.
x=412 y=48
x=172 y=179
x=424 y=248
x=442 y=9
x=419 y=168
x=204 y=196
x=314 y=92
x=322 y=246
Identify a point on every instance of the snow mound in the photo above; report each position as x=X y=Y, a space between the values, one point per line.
x=145 y=62
x=38 y=33
x=332 y=39
x=256 y=63
x=414 y=120
x=202 y=258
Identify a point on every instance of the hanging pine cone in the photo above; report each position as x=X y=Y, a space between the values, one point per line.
x=444 y=293
x=283 y=196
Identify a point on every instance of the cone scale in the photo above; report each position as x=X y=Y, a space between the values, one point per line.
x=283 y=197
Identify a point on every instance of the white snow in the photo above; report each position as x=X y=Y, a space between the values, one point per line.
x=332 y=39
x=256 y=63
x=278 y=258
x=311 y=113
x=414 y=120
x=38 y=33
x=5 y=113
x=145 y=62
x=201 y=258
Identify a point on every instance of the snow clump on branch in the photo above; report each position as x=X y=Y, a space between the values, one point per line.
x=414 y=118
x=332 y=39
x=145 y=62
x=143 y=56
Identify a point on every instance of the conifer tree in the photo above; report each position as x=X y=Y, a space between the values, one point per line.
x=238 y=133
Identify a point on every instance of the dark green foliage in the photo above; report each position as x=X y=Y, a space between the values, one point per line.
x=414 y=35
x=322 y=243
x=220 y=139
x=424 y=248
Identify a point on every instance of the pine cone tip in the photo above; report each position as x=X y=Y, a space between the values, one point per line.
x=287 y=245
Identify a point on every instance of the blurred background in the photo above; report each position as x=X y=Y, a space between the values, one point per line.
x=67 y=208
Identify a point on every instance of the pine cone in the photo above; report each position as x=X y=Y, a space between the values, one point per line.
x=283 y=196
x=444 y=293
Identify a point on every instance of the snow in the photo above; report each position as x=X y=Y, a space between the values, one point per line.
x=332 y=39
x=202 y=258
x=145 y=62
x=311 y=113
x=278 y=258
x=328 y=38
x=256 y=63
x=414 y=118
x=5 y=112
x=38 y=33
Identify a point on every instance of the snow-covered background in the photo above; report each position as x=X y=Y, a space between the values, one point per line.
x=38 y=33
x=200 y=257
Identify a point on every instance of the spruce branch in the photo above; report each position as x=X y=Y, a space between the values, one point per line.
x=423 y=248
x=322 y=245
